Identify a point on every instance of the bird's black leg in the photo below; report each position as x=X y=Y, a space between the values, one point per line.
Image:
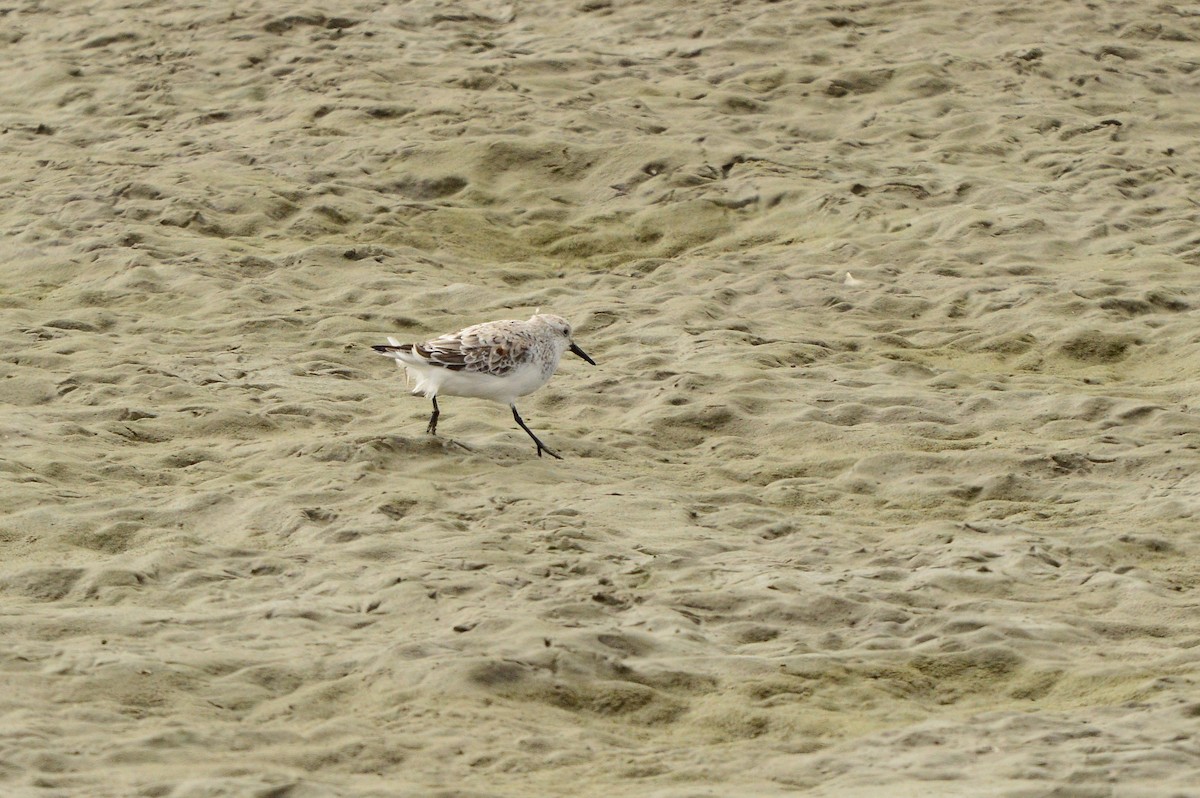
x=541 y=447
x=432 y=428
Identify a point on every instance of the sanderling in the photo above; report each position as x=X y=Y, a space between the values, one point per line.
x=497 y=360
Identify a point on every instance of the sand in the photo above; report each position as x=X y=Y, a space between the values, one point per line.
x=887 y=481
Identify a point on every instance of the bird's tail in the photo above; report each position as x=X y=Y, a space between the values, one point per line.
x=394 y=349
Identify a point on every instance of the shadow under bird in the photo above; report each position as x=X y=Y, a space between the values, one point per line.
x=496 y=360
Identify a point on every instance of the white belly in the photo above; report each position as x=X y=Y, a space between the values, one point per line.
x=437 y=381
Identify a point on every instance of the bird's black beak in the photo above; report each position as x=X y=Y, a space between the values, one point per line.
x=577 y=351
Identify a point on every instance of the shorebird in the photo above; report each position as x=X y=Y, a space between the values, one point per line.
x=497 y=360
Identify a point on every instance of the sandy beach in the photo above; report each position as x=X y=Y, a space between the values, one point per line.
x=886 y=483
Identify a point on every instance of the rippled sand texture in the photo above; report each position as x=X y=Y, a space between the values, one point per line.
x=887 y=481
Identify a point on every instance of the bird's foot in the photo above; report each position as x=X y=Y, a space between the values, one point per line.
x=541 y=448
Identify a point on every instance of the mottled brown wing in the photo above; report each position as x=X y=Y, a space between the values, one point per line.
x=482 y=348
x=475 y=352
x=496 y=348
x=441 y=353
